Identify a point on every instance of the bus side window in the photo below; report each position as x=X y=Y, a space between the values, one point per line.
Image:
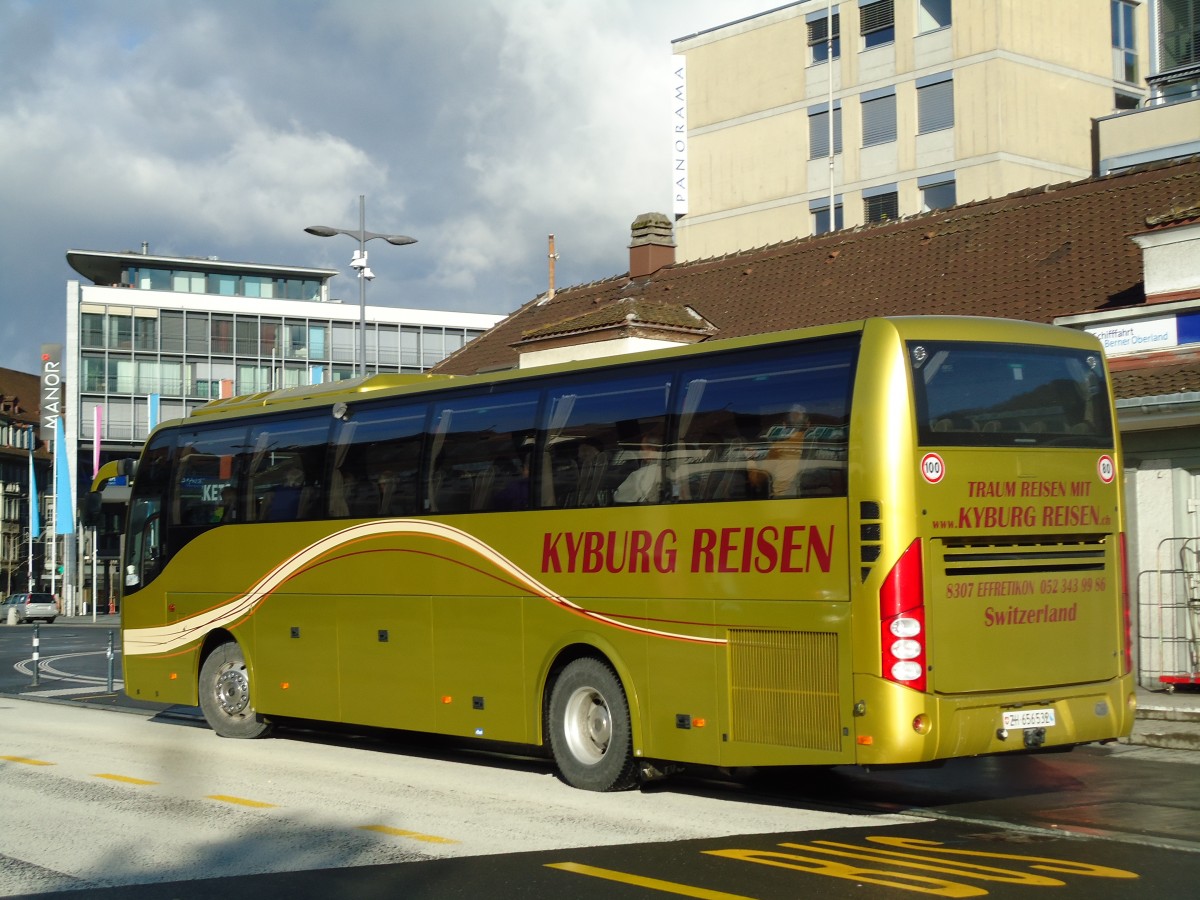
x=760 y=426
x=482 y=450
x=375 y=457
x=643 y=463
x=210 y=460
x=283 y=477
x=593 y=467
x=591 y=436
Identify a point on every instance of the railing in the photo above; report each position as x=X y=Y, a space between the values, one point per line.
x=1168 y=599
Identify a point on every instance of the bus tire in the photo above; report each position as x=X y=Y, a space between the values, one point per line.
x=590 y=735
x=225 y=694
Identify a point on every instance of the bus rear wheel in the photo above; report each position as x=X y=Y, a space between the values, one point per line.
x=589 y=728
x=225 y=695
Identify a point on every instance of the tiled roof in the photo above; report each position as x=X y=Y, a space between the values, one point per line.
x=1037 y=254
x=25 y=391
x=630 y=311
x=1162 y=374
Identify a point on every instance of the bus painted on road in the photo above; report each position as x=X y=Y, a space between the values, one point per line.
x=892 y=541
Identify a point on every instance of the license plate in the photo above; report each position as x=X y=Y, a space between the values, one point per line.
x=1028 y=718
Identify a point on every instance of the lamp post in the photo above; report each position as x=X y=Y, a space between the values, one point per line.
x=359 y=262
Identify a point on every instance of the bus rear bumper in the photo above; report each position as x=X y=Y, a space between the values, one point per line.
x=896 y=725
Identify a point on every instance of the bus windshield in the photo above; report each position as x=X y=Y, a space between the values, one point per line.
x=997 y=395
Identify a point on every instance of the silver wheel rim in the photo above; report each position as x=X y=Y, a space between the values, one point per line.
x=587 y=725
x=233 y=691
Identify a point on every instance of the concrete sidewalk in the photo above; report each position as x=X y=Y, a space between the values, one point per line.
x=1168 y=720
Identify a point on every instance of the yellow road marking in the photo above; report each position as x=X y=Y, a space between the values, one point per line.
x=127 y=779
x=670 y=887
x=241 y=801
x=1046 y=864
x=25 y=760
x=415 y=835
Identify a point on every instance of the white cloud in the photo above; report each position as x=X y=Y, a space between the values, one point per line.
x=477 y=126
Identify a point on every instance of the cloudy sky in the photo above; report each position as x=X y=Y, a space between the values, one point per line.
x=223 y=127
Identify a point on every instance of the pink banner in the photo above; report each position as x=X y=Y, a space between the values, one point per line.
x=96 y=442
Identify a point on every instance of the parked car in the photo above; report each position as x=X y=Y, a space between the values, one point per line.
x=30 y=607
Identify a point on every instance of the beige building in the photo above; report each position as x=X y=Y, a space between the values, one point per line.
x=934 y=103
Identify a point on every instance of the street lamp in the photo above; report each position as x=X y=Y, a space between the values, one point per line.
x=359 y=262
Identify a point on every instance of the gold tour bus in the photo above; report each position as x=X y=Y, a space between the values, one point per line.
x=892 y=541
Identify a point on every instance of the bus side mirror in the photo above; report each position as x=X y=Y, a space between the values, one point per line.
x=90 y=514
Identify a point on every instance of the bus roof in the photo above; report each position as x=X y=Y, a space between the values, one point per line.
x=348 y=390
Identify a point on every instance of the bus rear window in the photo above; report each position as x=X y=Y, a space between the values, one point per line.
x=995 y=395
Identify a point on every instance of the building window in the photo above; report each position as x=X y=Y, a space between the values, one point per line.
x=151 y=279
x=91 y=330
x=818 y=130
x=819 y=211
x=432 y=347
x=222 y=335
x=877 y=21
x=145 y=333
x=389 y=345
x=120 y=332
x=822 y=46
x=222 y=284
x=252 y=379
x=881 y=204
x=454 y=341
x=345 y=342
x=94 y=374
x=317 y=343
x=197 y=333
x=935 y=103
x=1179 y=33
x=410 y=347
x=1125 y=66
x=1123 y=100
x=879 y=116
x=188 y=282
x=932 y=15
x=937 y=191
x=268 y=337
x=246 y=336
x=171 y=325
x=1178 y=51
x=258 y=286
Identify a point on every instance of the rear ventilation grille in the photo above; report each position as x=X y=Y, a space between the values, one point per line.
x=870 y=536
x=785 y=688
x=1028 y=557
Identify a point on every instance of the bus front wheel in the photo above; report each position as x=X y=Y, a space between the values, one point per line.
x=589 y=728
x=225 y=695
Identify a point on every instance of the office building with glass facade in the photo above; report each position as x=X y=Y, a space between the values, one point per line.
x=150 y=338
x=182 y=331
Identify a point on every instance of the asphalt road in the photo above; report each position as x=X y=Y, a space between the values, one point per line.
x=150 y=803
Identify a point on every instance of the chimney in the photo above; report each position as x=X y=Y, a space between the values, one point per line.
x=652 y=245
x=1169 y=252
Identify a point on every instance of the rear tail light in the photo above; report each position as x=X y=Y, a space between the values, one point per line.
x=902 y=639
